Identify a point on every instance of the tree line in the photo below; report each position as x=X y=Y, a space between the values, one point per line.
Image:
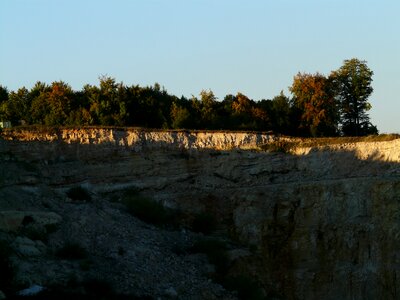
x=319 y=106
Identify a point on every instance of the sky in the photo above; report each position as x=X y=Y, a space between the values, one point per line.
x=255 y=47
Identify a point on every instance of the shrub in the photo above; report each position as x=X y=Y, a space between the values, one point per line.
x=85 y=264
x=79 y=194
x=150 y=211
x=71 y=251
x=121 y=251
x=32 y=230
x=208 y=246
x=246 y=287
x=216 y=252
x=35 y=233
x=131 y=191
x=147 y=210
x=51 y=228
x=205 y=223
x=6 y=267
x=281 y=146
x=98 y=288
x=27 y=220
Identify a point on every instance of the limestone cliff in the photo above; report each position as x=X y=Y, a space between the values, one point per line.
x=141 y=139
x=325 y=220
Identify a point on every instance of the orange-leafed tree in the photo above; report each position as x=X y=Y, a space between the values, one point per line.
x=59 y=99
x=314 y=98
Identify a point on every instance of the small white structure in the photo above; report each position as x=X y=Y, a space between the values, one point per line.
x=5 y=124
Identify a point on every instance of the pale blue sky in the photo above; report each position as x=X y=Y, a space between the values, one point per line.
x=253 y=46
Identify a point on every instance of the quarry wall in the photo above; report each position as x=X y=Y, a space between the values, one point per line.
x=325 y=220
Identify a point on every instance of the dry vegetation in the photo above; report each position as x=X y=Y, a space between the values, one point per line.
x=289 y=144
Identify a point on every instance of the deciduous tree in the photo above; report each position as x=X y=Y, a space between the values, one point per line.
x=314 y=98
x=353 y=87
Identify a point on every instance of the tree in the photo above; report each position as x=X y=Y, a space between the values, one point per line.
x=208 y=109
x=180 y=117
x=247 y=114
x=91 y=95
x=108 y=101
x=39 y=105
x=3 y=102
x=59 y=99
x=241 y=111
x=314 y=98
x=3 y=94
x=352 y=83
x=279 y=111
x=19 y=105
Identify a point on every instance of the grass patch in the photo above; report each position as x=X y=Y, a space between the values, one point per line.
x=289 y=144
x=72 y=251
x=79 y=193
x=318 y=142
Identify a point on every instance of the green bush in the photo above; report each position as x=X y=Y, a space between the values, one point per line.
x=98 y=288
x=216 y=252
x=121 y=251
x=246 y=287
x=205 y=223
x=51 y=228
x=149 y=210
x=6 y=267
x=7 y=270
x=35 y=233
x=33 y=230
x=208 y=245
x=72 y=251
x=79 y=194
x=85 y=264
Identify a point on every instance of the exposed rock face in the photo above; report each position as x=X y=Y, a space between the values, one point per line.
x=139 y=140
x=325 y=221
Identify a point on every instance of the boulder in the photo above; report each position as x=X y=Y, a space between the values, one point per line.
x=31 y=291
x=26 y=247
